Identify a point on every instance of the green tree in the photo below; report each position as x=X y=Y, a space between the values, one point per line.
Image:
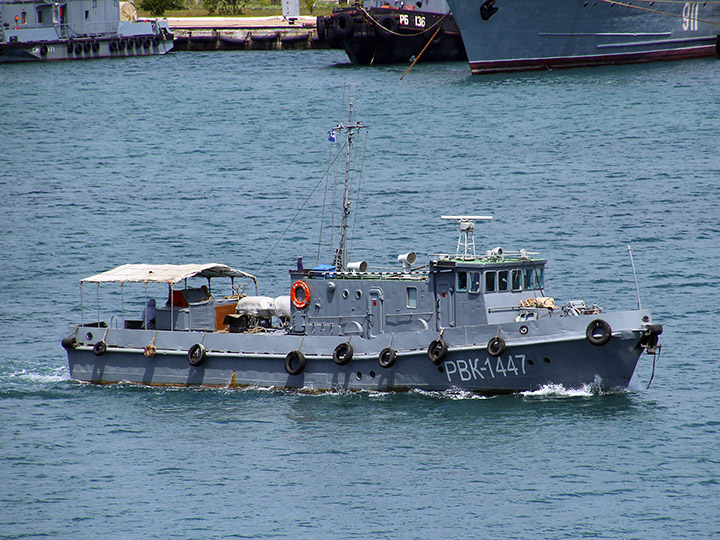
x=224 y=7
x=158 y=7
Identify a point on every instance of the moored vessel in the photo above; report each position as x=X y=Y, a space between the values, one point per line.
x=476 y=322
x=76 y=30
x=519 y=35
x=378 y=33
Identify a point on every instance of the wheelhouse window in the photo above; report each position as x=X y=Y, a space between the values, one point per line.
x=503 y=280
x=490 y=281
x=516 y=280
x=529 y=278
x=462 y=281
x=412 y=297
x=474 y=282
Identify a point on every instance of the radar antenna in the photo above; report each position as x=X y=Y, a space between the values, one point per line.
x=466 y=235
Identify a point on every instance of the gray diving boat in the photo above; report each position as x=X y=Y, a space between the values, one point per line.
x=35 y=30
x=478 y=322
x=518 y=35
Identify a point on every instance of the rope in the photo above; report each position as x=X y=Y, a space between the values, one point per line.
x=302 y=206
x=656 y=357
x=423 y=50
x=150 y=350
x=421 y=32
x=623 y=4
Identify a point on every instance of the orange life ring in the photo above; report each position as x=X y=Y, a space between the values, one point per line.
x=300 y=303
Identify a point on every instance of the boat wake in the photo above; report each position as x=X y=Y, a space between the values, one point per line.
x=57 y=375
x=558 y=390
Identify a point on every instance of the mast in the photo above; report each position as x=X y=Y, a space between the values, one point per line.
x=350 y=129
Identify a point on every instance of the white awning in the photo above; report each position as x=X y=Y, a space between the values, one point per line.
x=164 y=273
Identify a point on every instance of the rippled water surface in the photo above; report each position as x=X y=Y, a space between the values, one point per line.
x=209 y=156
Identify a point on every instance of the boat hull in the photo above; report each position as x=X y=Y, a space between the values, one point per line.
x=551 y=351
x=385 y=36
x=531 y=35
x=130 y=39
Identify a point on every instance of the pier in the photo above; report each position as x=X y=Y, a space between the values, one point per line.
x=245 y=33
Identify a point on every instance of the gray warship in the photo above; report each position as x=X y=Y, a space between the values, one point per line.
x=36 y=30
x=519 y=35
x=473 y=322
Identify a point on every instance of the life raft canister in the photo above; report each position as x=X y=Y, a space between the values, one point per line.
x=300 y=294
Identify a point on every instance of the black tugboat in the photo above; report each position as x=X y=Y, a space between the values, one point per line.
x=385 y=34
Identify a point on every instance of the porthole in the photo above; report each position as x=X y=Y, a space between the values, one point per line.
x=441 y=369
x=358 y=375
x=89 y=336
x=345 y=293
x=371 y=374
x=530 y=362
x=358 y=294
x=546 y=360
x=523 y=329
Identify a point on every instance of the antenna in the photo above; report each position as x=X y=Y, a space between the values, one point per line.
x=466 y=234
x=349 y=129
x=637 y=289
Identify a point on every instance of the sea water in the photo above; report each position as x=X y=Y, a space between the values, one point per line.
x=219 y=157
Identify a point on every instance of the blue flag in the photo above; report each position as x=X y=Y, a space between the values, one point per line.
x=331 y=136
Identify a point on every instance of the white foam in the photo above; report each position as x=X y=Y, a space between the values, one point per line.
x=58 y=375
x=558 y=390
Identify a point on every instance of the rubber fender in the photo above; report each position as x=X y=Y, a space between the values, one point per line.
x=294 y=362
x=389 y=23
x=196 y=354
x=598 y=332
x=343 y=353
x=344 y=25
x=387 y=357
x=321 y=28
x=437 y=351
x=100 y=348
x=496 y=346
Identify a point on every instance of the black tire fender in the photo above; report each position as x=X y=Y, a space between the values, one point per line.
x=321 y=28
x=344 y=25
x=437 y=351
x=69 y=342
x=343 y=353
x=294 y=362
x=387 y=357
x=100 y=348
x=598 y=332
x=196 y=354
x=389 y=25
x=496 y=346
